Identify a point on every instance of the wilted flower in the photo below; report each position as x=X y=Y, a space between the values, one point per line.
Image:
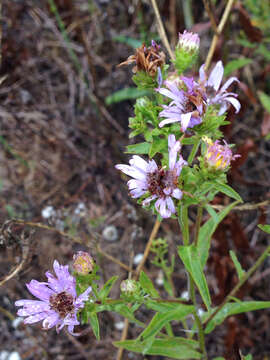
x=189 y=41
x=187 y=107
x=212 y=93
x=162 y=184
x=83 y=263
x=148 y=59
x=58 y=302
x=218 y=156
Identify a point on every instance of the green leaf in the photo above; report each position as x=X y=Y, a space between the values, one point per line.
x=233 y=65
x=93 y=319
x=190 y=257
x=265 y=228
x=159 y=320
x=128 y=41
x=219 y=358
x=140 y=148
x=158 y=146
x=265 y=100
x=227 y=190
x=176 y=348
x=234 y=309
x=240 y=271
x=211 y=212
x=160 y=306
x=147 y=285
x=208 y=229
x=125 y=94
x=104 y=292
x=126 y=312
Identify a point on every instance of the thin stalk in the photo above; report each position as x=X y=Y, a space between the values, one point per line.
x=238 y=286
x=183 y=221
x=187 y=10
x=198 y=224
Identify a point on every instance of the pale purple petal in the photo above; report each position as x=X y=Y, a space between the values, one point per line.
x=83 y=297
x=167 y=121
x=148 y=200
x=177 y=193
x=235 y=103
x=170 y=204
x=131 y=171
x=202 y=74
x=162 y=209
x=39 y=290
x=216 y=75
x=139 y=163
x=35 y=318
x=185 y=119
x=228 y=83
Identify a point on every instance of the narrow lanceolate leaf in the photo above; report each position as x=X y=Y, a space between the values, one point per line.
x=207 y=230
x=265 y=100
x=227 y=190
x=234 y=309
x=161 y=319
x=265 y=228
x=176 y=348
x=140 y=148
x=233 y=65
x=93 y=319
x=147 y=285
x=190 y=257
x=104 y=292
x=125 y=94
x=240 y=271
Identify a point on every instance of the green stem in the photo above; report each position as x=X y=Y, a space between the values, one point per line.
x=183 y=220
x=240 y=283
x=194 y=151
x=198 y=224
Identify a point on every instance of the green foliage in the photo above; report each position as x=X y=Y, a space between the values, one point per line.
x=265 y=228
x=140 y=148
x=184 y=59
x=134 y=43
x=233 y=65
x=191 y=259
x=147 y=285
x=265 y=100
x=176 y=348
x=127 y=93
x=208 y=229
x=144 y=81
x=93 y=319
x=240 y=271
x=234 y=309
x=211 y=123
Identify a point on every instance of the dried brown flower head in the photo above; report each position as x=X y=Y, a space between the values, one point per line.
x=147 y=59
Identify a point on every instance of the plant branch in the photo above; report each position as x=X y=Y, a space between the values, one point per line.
x=161 y=30
x=218 y=32
x=239 y=285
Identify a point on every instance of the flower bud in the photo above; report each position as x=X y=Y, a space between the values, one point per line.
x=186 y=51
x=128 y=286
x=218 y=156
x=83 y=263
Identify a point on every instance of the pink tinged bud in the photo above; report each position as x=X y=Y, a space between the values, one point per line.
x=189 y=41
x=83 y=263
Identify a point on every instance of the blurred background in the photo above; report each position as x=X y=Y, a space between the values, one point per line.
x=64 y=109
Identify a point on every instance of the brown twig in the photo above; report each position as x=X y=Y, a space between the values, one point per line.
x=161 y=30
x=218 y=32
x=210 y=14
x=113 y=259
x=244 y=207
x=148 y=247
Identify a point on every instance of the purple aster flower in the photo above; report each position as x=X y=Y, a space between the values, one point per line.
x=162 y=184
x=187 y=107
x=58 y=302
x=189 y=41
x=218 y=156
x=213 y=94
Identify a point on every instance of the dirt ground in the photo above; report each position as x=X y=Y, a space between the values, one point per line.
x=59 y=143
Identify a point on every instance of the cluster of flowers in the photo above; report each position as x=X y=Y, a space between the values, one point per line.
x=190 y=100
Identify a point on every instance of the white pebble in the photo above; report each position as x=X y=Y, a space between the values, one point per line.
x=185 y=295
x=137 y=259
x=4 y=355
x=16 y=322
x=110 y=233
x=119 y=325
x=14 y=356
x=48 y=212
x=160 y=279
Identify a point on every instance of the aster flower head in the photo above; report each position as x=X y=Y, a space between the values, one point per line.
x=213 y=93
x=147 y=59
x=189 y=41
x=83 y=263
x=218 y=156
x=186 y=107
x=57 y=303
x=161 y=183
